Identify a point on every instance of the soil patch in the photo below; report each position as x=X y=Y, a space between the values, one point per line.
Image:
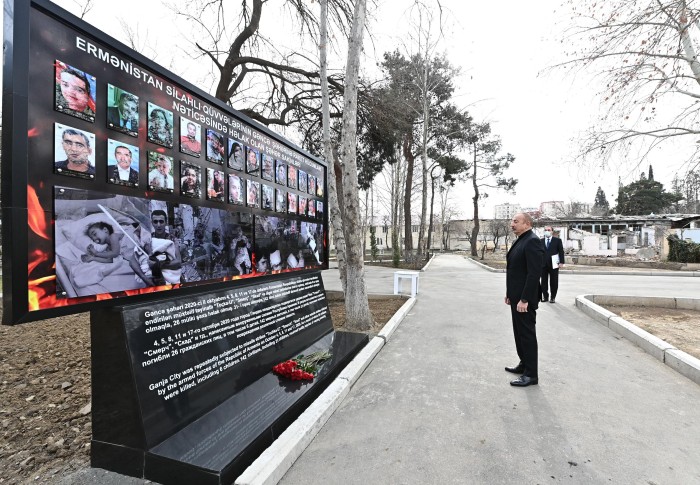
x=45 y=422
x=402 y=264
x=680 y=328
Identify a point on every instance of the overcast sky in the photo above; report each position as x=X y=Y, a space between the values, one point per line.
x=502 y=50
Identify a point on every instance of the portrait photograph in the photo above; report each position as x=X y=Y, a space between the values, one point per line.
x=253 y=196
x=190 y=137
x=312 y=185
x=74 y=152
x=122 y=111
x=280 y=172
x=235 y=189
x=252 y=161
x=280 y=201
x=216 y=186
x=319 y=187
x=122 y=163
x=292 y=203
x=75 y=92
x=302 y=205
x=160 y=172
x=292 y=177
x=236 y=154
x=215 y=146
x=160 y=126
x=319 y=209
x=268 y=167
x=268 y=197
x=311 y=208
x=302 y=180
x=190 y=179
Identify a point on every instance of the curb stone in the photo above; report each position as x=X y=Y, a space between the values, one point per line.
x=682 y=362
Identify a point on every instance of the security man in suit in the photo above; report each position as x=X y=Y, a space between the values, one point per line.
x=552 y=247
x=523 y=270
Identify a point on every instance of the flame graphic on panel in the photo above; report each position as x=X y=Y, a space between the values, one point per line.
x=35 y=214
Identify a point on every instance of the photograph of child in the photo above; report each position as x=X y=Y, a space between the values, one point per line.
x=280 y=172
x=122 y=163
x=268 y=197
x=236 y=154
x=252 y=160
x=75 y=92
x=190 y=137
x=253 y=191
x=160 y=172
x=292 y=203
x=74 y=153
x=281 y=201
x=235 y=189
x=190 y=179
x=122 y=111
x=215 y=184
x=292 y=177
x=160 y=125
x=215 y=146
x=302 y=180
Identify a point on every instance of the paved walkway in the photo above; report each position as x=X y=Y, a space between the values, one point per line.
x=435 y=405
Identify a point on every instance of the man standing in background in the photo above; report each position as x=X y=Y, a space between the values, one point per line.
x=553 y=260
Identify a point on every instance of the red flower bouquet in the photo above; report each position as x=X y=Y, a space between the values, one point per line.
x=301 y=368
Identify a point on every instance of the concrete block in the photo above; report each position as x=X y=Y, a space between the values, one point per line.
x=684 y=363
x=688 y=303
x=390 y=326
x=651 y=344
x=598 y=313
x=653 y=301
x=357 y=366
x=276 y=460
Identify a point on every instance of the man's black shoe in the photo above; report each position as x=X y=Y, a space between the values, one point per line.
x=551 y=300
x=543 y=299
x=518 y=369
x=523 y=381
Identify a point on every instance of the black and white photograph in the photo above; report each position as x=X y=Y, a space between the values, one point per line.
x=160 y=172
x=252 y=165
x=280 y=172
x=292 y=177
x=216 y=185
x=277 y=246
x=253 y=193
x=122 y=163
x=75 y=92
x=302 y=205
x=319 y=209
x=312 y=185
x=291 y=203
x=268 y=167
x=190 y=137
x=302 y=181
x=280 y=201
x=311 y=243
x=236 y=154
x=74 y=152
x=122 y=111
x=268 y=197
x=190 y=179
x=215 y=146
x=235 y=189
x=160 y=125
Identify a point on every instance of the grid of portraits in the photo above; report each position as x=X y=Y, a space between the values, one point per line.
x=188 y=174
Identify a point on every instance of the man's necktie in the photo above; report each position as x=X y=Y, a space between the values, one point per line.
x=547 y=243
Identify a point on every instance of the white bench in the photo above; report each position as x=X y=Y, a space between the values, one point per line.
x=412 y=275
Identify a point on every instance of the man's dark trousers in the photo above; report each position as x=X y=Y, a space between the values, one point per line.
x=525 y=337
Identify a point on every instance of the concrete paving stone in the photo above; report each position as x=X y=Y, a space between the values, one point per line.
x=688 y=304
x=684 y=364
x=393 y=323
x=593 y=310
x=651 y=344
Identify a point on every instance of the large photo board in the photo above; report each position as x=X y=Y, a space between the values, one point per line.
x=121 y=180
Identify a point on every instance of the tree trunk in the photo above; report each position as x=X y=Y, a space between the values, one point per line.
x=475 y=229
x=410 y=162
x=334 y=209
x=358 y=316
x=432 y=203
x=424 y=160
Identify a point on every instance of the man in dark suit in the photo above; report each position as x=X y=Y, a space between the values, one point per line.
x=523 y=269
x=125 y=116
x=122 y=173
x=550 y=271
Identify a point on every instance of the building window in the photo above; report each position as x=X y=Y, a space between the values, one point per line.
x=414 y=228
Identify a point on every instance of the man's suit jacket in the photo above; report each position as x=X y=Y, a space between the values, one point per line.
x=555 y=247
x=524 y=268
x=114 y=174
x=114 y=118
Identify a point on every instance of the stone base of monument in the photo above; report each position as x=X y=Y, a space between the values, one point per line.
x=198 y=413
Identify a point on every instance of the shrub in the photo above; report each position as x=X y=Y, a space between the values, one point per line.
x=683 y=251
